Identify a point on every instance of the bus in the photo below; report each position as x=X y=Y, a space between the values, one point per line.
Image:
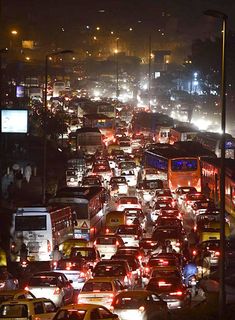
x=211 y=170
x=40 y=228
x=212 y=141
x=182 y=134
x=87 y=205
x=105 y=124
x=58 y=87
x=179 y=167
x=87 y=140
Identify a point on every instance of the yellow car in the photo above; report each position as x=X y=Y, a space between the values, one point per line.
x=100 y=290
x=84 y=312
x=25 y=309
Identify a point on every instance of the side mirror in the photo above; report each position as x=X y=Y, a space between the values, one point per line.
x=70 y=281
x=103 y=255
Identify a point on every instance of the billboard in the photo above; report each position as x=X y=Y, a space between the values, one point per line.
x=14 y=121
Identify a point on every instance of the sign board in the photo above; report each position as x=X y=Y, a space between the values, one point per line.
x=84 y=225
x=14 y=121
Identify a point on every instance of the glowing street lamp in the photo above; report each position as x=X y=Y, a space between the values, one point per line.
x=14 y=32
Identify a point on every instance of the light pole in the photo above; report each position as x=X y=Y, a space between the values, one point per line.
x=149 y=73
x=44 y=173
x=117 y=70
x=222 y=292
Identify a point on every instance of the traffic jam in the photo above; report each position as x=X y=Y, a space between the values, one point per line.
x=133 y=234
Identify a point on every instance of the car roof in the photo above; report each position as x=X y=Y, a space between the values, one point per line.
x=82 y=306
x=19 y=301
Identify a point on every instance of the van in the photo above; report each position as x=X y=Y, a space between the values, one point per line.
x=113 y=220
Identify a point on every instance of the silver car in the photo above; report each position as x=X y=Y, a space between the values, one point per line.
x=51 y=285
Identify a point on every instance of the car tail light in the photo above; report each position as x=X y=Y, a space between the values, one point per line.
x=177 y=293
x=136 y=237
x=57 y=291
x=161 y=283
x=177 y=244
x=140 y=257
x=2 y=284
x=217 y=253
x=117 y=243
x=141 y=309
x=147 y=269
x=194 y=252
x=26 y=288
x=95 y=243
x=48 y=246
x=107 y=230
x=82 y=274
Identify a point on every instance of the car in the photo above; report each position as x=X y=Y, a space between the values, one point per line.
x=181 y=191
x=200 y=207
x=207 y=253
x=137 y=252
x=84 y=312
x=104 y=170
x=7 y=280
x=93 y=181
x=51 y=285
x=128 y=202
x=171 y=290
x=134 y=263
x=66 y=246
x=107 y=245
x=118 y=269
x=139 y=304
x=169 y=222
x=100 y=291
x=130 y=176
x=147 y=188
x=148 y=245
x=176 y=237
x=190 y=198
x=118 y=186
x=130 y=234
x=89 y=254
x=203 y=219
x=158 y=206
x=40 y=308
x=135 y=214
x=16 y=294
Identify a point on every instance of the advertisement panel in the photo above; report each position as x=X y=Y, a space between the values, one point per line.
x=14 y=121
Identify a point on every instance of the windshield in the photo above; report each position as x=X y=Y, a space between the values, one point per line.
x=184 y=165
x=129 y=302
x=106 y=240
x=127 y=230
x=109 y=270
x=158 y=184
x=30 y=223
x=86 y=253
x=97 y=287
x=43 y=281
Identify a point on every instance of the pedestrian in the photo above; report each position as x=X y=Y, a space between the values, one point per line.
x=28 y=172
x=18 y=179
x=56 y=254
x=23 y=252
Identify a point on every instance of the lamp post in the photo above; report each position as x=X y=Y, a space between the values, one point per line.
x=222 y=301
x=44 y=121
x=117 y=70
x=149 y=70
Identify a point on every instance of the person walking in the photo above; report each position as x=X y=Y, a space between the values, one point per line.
x=207 y=191
x=28 y=172
x=18 y=179
x=23 y=252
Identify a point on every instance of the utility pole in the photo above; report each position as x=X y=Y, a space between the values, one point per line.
x=149 y=70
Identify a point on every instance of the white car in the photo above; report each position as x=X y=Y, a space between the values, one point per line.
x=128 y=202
x=107 y=245
x=130 y=234
x=100 y=291
x=130 y=177
x=51 y=285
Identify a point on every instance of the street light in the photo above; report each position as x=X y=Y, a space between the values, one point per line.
x=117 y=70
x=223 y=17
x=47 y=57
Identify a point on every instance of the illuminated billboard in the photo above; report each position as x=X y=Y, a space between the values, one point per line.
x=14 y=121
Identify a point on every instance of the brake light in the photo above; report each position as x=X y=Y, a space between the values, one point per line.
x=161 y=283
x=194 y=252
x=136 y=237
x=147 y=269
x=82 y=274
x=140 y=257
x=177 y=293
x=48 y=246
x=95 y=243
x=117 y=243
x=107 y=230
x=217 y=253
x=177 y=244
x=26 y=288
x=57 y=291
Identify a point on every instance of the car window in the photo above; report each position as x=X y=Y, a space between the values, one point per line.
x=28 y=295
x=43 y=281
x=95 y=314
x=70 y=315
x=14 y=311
x=38 y=308
x=106 y=240
x=49 y=306
x=118 y=285
x=103 y=313
x=97 y=286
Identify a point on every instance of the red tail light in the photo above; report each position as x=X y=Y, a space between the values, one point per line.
x=95 y=243
x=194 y=252
x=57 y=291
x=177 y=293
x=48 y=246
x=26 y=288
x=217 y=253
x=117 y=243
x=107 y=230
x=147 y=269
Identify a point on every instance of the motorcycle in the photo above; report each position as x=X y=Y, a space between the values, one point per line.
x=192 y=283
